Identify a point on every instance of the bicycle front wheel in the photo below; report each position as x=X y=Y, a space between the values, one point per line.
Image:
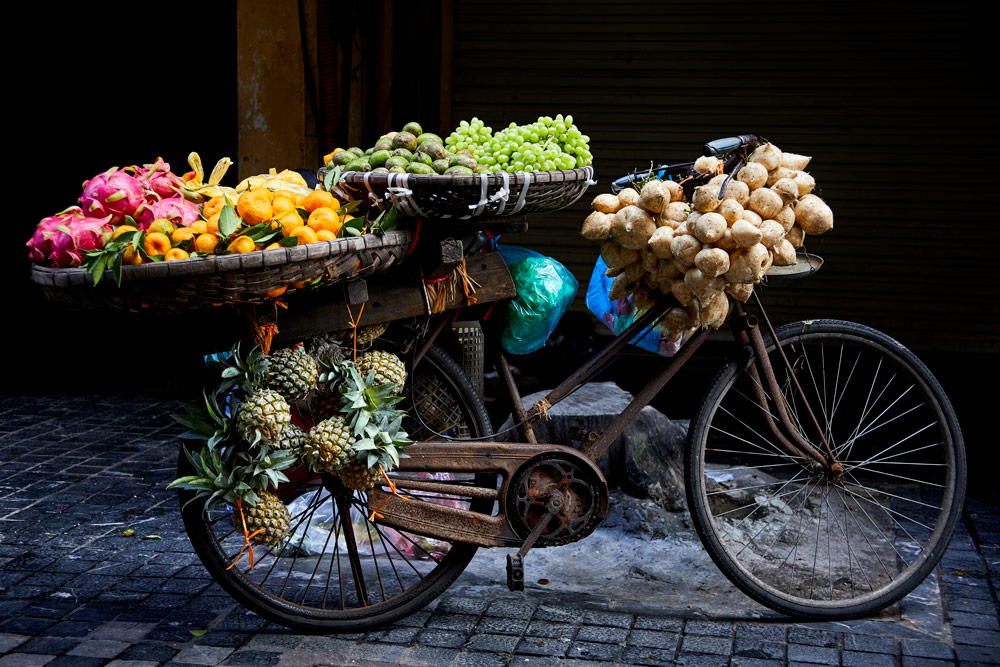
x=340 y=570
x=792 y=536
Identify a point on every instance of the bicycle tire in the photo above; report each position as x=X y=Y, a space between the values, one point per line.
x=437 y=375
x=898 y=502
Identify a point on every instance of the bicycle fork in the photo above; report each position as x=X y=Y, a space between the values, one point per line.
x=746 y=331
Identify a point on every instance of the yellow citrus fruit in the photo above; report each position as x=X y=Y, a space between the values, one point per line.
x=199 y=227
x=157 y=243
x=324 y=218
x=212 y=225
x=213 y=206
x=122 y=229
x=206 y=243
x=318 y=198
x=161 y=225
x=182 y=234
x=325 y=235
x=304 y=235
x=242 y=244
x=175 y=253
x=254 y=206
x=281 y=205
x=273 y=246
x=290 y=221
x=131 y=256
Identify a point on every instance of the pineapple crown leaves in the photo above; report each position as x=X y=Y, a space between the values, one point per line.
x=240 y=476
x=207 y=421
x=248 y=371
x=364 y=403
x=380 y=443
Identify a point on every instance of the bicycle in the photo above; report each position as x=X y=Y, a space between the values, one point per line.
x=825 y=473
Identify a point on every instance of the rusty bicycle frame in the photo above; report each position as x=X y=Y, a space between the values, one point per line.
x=503 y=458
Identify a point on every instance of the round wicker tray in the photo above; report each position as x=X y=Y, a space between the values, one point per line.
x=225 y=280
x=464 y=197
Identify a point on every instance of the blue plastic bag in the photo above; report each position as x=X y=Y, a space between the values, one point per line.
x=620 y=314
x=545 y=290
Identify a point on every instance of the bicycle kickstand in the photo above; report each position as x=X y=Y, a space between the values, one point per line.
x=515 y=563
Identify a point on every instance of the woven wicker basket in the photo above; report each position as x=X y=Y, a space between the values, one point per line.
x=227 y=279
x=465 y=197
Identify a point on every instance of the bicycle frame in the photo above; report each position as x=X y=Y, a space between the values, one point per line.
x=504 y=458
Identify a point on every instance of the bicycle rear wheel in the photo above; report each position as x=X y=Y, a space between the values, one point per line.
x=797 y=539
x=338 y=571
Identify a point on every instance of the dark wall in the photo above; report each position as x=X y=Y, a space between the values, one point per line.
x=100 y=86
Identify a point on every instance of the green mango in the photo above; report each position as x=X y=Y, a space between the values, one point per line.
x=405 y=140
x=420 y=168
x=422 y=158
x=378 y=158
x=358 y=165
x=432 y=148
x=383 y=144
x=461 y=160
x=357 y=151
x=440 y=166
x=404 y=153
x=428 y=136
x=458 y=170
x=396 y=161
x=343 y=157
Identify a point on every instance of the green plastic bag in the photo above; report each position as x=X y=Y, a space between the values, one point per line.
x=545 y=290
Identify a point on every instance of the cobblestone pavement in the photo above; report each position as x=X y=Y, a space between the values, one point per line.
x=75 y=471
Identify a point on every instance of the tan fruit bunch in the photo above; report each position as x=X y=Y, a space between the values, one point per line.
x=718 y=245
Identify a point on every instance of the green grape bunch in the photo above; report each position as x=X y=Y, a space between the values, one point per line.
x=547 y=144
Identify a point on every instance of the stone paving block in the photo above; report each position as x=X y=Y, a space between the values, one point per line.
x=374 y=653
x=225 y=638
x=8 y=641
x=462 y=622
x=73 y=628
x=122 y=630
x=511 y=608
x=976 y=637
x=661 y=623
x=253 y=658
x=600 y=634
x=536 y=661
x=859 y=659
x=647 y=655
x=709 y=628
x=458 y=605
x=25 y=625
x=502 y=626
x=493 y=643
x=480 y=660
x=393 y=635
x=132 y=663
x=909 y=661
x=77 y=661
x=542 y=646
x=757 y=648
x=415 y=620
x=25 y=660
x=99 y=648
x=869 y=643
x=979 y=654
x=653 y=639
x=612 y=618
x=701 y=660
x=811 y=637
x=593 y=651
x=812 y=654
x=203 y=655
x=548 y=629
x=446 y=638
x=968 y=620
x=926 y=649
x=558 y=613
x=425 y=656
x=46 y=645
x=699 y=644
x=144 y=651
x=741 y=661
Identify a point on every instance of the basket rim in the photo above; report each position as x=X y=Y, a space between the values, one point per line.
x=194 y=266
x=473 y=180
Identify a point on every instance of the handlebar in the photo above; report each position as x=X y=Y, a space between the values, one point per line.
x=725 y=147
x=731 y=144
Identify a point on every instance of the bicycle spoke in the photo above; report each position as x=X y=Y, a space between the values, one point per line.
x=894 y=445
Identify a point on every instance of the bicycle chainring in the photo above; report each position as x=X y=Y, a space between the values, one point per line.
x=584 y=491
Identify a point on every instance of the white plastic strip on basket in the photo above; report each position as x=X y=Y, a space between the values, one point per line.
x=503 y=193
x=590 y=176
x=483 y=199
x=524 y=193
x=371 y=193
x=402 y=197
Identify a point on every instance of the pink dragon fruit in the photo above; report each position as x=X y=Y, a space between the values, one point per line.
x=175 y=209
x=114 y=193
x=157 y=181
x=40 y=244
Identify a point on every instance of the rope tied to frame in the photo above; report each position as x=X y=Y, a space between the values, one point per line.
x=392 y=492
x=542 y=407
x=247 y=536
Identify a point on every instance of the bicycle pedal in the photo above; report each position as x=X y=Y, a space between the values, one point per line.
x=515 y=572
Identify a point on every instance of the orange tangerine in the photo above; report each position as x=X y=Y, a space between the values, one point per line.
x=273 y=246
x=122 y=229
x=318 y=198
x=182 y=234
x=324 y=218
x=277 y=291
x=175 y=253
x=157 y=243
x=131 y=256
x=288 y=194
x=304 y=235
x=290 y=221
x=213 y=206
x=254 y=206
x=325 y=235
x=199 y=227
x=302 y=283
x=212 y=224
x=206 y=243
x=242 y=244
x=281 y=205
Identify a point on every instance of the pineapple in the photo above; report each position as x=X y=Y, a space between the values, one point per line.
x=292 y=373
x=387 y=369
x=262 y=416
x=371 y=332
x=328 y=349
x=242 y=478
x=327 y=445
x=376 y=451
x=292 y=439
x=269 y=514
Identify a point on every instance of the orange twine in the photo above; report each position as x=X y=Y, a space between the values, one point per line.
x=354 y=324
x=392 y=488
x=720 y=168
x=247 y=536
